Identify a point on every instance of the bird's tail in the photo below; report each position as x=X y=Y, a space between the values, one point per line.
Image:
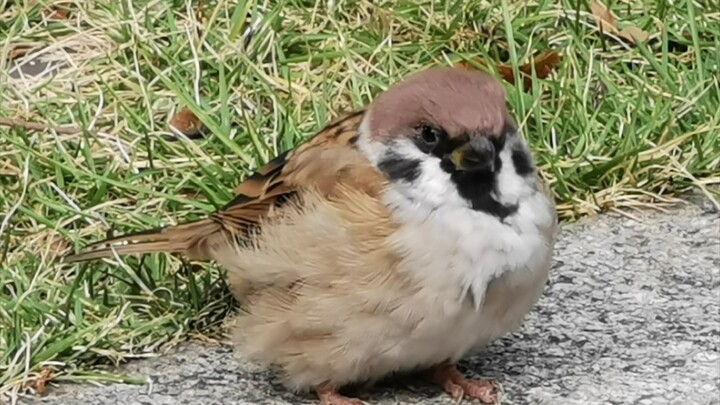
x=188 y=239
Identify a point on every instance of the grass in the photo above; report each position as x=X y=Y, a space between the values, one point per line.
x=616 y=126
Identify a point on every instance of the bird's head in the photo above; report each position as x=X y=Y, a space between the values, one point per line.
x=448 y=126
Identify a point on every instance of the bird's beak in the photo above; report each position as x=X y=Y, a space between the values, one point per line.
x=478 y=154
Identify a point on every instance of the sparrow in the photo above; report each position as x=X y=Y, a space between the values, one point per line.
x=401 y=238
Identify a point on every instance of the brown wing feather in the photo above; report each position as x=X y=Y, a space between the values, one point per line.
x=317 y=163
x=321 y=163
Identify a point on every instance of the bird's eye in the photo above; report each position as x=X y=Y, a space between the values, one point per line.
x=429 y=135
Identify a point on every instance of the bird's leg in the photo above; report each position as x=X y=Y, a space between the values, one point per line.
x=330 y=396
x=454 y=383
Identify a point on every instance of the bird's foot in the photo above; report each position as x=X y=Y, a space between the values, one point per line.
x=333 y=397
x=454 y=383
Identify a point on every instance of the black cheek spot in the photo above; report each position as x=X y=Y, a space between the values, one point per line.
x=396 y=167
x=522 y=163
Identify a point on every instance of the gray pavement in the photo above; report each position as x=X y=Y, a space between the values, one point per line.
x=631 y=315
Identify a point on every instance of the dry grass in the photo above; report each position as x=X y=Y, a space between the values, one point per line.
x=615 y=127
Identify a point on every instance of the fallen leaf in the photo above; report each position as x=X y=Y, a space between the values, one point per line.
x=56 y=13
x=45 y=377
x=188 y=124
x=604 y=17
x=40 y=380
x=607 y=23
x=60 y=14
x=19 y=51
x=634 y=34
x=544 y=64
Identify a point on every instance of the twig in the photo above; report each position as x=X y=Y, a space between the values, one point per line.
x=33 y=126
x=68 y=130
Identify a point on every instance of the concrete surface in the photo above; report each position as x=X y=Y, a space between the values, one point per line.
x=630 y=316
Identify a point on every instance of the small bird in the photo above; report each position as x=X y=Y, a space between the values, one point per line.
x=401 y=238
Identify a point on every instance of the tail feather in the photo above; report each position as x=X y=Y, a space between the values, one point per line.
x=185 y=238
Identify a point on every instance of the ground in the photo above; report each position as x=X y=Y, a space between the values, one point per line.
x=629 y=316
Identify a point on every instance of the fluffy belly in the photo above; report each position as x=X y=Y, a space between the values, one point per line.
x=431 y=292
x=455 y=327
x=352 y=333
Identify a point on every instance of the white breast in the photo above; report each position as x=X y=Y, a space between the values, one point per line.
x=452 y=244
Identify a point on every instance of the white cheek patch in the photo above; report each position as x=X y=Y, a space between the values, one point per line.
x=373 y=150
x=433 y=187
x=512 y=187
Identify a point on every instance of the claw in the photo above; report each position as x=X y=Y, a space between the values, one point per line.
x=330 y=396
x=454 y=383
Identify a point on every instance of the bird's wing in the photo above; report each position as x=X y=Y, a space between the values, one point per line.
x=321 y=164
